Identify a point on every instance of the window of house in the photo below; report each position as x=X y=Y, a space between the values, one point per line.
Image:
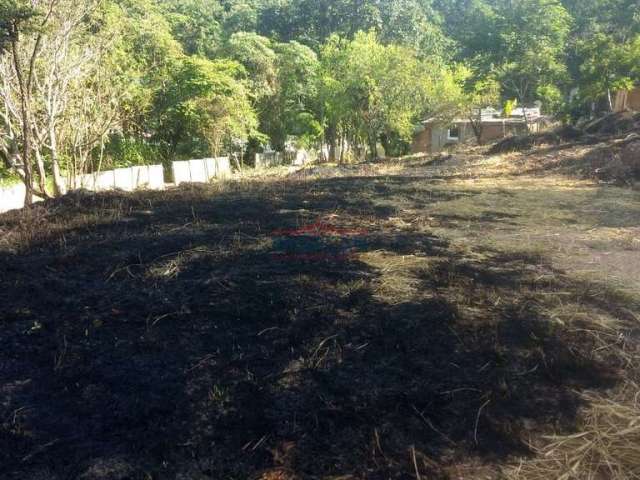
x=453 y=134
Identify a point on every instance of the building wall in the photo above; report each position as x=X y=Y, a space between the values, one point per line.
x=497 y=130
x=422 y=141
x=633 y=99
x=434 y=138
x=627 y=99
x=440 y=140
x=493 y=131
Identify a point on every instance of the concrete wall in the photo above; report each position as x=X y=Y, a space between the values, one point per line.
x=128 y=179
x=150 y=176
x=223 y=167
x=200 y=171
x=12 y=197
x=302 y=157
x=295 y=158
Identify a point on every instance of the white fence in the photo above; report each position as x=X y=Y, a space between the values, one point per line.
x=128 y=179
x=12 y=197
x=200 y=171
x=152 y=176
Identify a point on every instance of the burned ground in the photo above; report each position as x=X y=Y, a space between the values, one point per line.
x=176 y=335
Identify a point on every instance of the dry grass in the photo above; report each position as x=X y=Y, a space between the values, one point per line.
x=592 y=232
x=471 y=322
x=606 y=447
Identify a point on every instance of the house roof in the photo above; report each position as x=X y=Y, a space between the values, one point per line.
x=488 y=121
x=492 y=116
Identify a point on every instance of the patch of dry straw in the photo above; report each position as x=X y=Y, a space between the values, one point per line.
x=608 y=446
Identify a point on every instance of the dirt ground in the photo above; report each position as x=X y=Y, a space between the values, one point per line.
x=404 y=320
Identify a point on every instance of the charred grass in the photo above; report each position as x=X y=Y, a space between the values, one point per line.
x=197 y=334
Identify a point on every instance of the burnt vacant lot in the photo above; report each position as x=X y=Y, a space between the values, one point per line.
x=300 y=328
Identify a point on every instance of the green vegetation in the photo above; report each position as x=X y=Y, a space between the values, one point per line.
x=98 y=83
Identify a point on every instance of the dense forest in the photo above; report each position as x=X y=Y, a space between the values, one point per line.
x=87 y=84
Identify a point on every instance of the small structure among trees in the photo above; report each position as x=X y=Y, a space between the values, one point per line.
x=434 y=135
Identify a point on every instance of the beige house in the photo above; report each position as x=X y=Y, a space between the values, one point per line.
x=433 y=136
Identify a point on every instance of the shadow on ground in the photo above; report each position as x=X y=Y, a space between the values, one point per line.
x=169 y=335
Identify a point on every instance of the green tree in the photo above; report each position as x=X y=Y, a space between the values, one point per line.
x=196 y=24
x=474 y=95
x=282 y=80
x=413 y=23
x=240 y=16
x=56 y=99
x=618 y=18
x=23 y=27
x=608 y=66
x=256 y=54
x=204 y=107
x=522 y=43
x=471 y=25
x=372 y=92
x=144 y=55
x=287 y=112
x=533 y=34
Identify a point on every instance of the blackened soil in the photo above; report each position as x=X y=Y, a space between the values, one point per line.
x=193 y=334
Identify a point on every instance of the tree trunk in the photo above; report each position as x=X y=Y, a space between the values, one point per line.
x=331 y=140
x=26 y=158
x=386 y=144
x=25 y=104
x=373 y=145
x=42 y=174
x=332 y=150
x=476 y=125
x=524 y=115
x=25 y=127
x=59 y=187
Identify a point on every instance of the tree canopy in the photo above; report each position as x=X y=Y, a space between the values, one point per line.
x=88 y=84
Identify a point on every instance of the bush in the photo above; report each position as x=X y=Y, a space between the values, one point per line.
x=129 y=151
x=7 y=177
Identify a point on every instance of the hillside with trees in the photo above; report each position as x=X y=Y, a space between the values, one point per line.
x=94 y=84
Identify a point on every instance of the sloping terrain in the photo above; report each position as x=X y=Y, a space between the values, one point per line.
x=400 y=320
x=606 y=148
